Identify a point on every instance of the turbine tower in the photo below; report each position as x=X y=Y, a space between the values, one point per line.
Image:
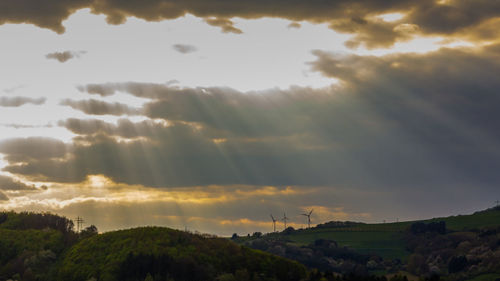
x=274 y=223
x=308 y=215
x=285 y=219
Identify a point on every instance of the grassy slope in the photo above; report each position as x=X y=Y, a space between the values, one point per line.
x=384 y=243
x=386 y=239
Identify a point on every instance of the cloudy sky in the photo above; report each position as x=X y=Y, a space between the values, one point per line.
x=211 y=115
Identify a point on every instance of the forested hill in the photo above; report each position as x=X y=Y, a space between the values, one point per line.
x=165 y=254
x=45 y=247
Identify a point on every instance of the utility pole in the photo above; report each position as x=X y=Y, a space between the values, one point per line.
x=79 y=224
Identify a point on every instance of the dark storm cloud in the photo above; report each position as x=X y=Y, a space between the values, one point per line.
x=404 y=120
x=43 y=13
x=7 y=183
x=96 y=107
x=228 y=112
x=64 y=56
x=455 y=89
x=184 y=49
x=19 y=101
x=176 y=157
x=455 y=17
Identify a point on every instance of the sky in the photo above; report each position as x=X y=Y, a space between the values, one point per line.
x=211 y=115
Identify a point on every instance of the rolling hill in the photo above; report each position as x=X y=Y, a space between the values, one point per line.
x=383 y=239
x=167 y=254
x=37 y=246
x=463 y=247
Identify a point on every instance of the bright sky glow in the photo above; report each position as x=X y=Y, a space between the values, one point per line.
x=304 y=107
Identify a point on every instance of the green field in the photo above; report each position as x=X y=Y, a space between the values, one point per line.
x=386 y=239
x=489 y=218
x=384 y=243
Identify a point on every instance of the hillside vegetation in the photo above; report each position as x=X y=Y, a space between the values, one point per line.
x=457 y=247
x=384 y=239
x=44 y=247
x=166 y=254
x=31 y=244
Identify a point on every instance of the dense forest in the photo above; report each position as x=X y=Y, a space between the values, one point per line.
x=45 y=247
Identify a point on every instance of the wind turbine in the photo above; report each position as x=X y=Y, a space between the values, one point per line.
x=285 y=219
x=274 y=223
x=308 y=218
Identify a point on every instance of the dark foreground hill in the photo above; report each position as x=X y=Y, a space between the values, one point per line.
x=44 y=247
x=165 y=254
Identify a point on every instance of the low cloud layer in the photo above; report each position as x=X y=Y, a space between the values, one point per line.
x=217 y=209
x=124 y=127
x=96 y=107
x=32 y=149
x=64 y=56
x=404 y=121
x=7 y=183
x=466 y=19
x=20 y=101
x=235 y=208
